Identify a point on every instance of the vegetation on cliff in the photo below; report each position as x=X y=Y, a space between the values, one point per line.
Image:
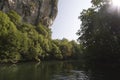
x=20 y=41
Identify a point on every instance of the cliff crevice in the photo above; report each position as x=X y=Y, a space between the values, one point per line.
x=32 y=11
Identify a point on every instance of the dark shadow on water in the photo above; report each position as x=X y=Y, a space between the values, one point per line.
x=104 y=72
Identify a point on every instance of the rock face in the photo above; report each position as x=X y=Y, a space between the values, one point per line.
x=32 y=11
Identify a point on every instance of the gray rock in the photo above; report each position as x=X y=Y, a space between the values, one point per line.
x=32 y=11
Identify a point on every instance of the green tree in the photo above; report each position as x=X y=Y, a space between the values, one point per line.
x=66 y=48
x=9 y=39
x=76 y=50
x=55 y=51
x=99 y=33
x=20 y=41
x=45 y=31
x=31 y=42
x=14 y=17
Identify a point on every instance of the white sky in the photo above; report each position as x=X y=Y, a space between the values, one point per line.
x=67 y=23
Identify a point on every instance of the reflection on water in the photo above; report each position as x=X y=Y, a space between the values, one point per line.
x=42 y=71
x=74 y=75
x=70 y=70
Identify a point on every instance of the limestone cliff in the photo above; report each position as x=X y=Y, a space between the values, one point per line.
x=32 y=11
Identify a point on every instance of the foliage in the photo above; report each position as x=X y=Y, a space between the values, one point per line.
x=43 y=30
x=9 y=39
x=99 y=34
x=14 y=17
x=99 y=3
x=20 y=41
x=69 y=49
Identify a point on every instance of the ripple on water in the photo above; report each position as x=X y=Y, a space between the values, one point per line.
x=73 y=75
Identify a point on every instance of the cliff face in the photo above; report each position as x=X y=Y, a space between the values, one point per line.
x=32 y=11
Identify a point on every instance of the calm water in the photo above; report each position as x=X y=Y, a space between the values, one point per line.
x=70 y=70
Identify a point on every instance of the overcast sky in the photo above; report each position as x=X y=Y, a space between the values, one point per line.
x=67 y=23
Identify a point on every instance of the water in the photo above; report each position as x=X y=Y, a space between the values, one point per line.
x=54 y=70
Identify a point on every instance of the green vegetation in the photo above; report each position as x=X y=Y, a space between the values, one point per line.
x=21 y=41
x=100 y=33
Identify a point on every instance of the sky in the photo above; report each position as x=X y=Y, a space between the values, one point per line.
x=67 y=23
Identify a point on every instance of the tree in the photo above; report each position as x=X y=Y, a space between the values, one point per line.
x=76 y=50
x=55 y=52
x=21 y=41
x=99 y=33
x=31 y=47
x=9 y=40
x=45 y=31
x=14 y=17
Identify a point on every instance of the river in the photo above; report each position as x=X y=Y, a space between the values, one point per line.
x=54 y=70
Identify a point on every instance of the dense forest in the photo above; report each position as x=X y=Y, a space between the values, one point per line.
x=20 y=41
x=100 y=33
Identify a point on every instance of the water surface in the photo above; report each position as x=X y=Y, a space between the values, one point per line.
x=54 y=70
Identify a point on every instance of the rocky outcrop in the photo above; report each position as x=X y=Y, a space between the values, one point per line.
x=32 y=11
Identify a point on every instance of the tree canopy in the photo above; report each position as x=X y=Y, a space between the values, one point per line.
x=100 y=32
x=20 y=41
